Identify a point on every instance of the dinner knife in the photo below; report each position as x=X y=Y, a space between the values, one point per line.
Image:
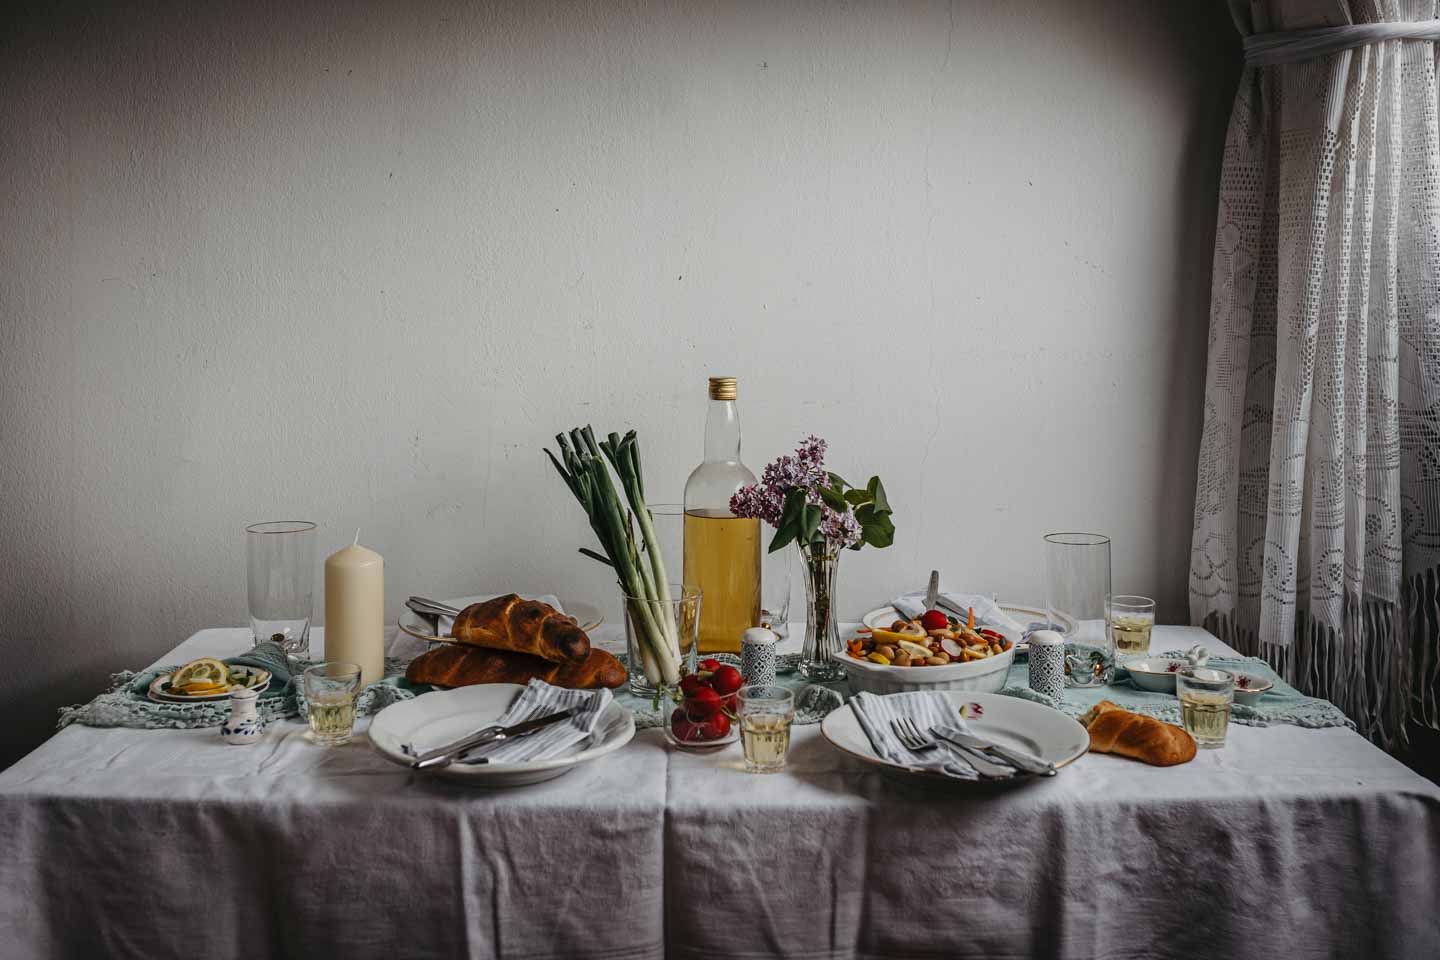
x=1015 y=758
x=932 y=592
x=443 y=756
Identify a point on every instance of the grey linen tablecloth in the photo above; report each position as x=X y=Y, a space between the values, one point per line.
x=1288 y=843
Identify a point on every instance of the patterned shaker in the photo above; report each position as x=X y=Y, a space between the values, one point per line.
x=757 y=655
x=244 y=726
x=1047 y=664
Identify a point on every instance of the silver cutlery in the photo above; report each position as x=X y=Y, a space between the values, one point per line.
x=444 y=756
x=913 y=739
x=1017 y=759
x=932 y=592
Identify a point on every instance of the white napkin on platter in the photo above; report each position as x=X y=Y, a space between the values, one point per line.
x=987 y=611
x=927 y=709
x=537 y=700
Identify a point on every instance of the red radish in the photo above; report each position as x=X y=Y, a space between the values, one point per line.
x=952 y=647
x=690 y=683
x=709 y=664
x=715 y=728
x=726 y=680
x=705 y=703
x=934 y=620
x=683 y=727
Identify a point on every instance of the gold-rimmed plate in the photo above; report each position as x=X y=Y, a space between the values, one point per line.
x=1009 y=721
x=431 y=631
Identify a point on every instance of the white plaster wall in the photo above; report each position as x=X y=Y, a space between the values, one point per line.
x=357 y=263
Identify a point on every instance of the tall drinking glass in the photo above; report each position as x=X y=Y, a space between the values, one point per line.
x=775 y=587
x=643 y=618
x=1077 y=586
x=280 y=576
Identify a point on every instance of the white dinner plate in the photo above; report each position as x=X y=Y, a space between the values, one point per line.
x=1022 y=613
x=421 y=628
x=1008 y=721
x=434 y=719
x=160 y=687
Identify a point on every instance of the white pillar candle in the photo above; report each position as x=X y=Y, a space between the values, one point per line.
x=355 y=609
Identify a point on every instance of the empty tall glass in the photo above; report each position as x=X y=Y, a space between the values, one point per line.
x=1077 y=586
x=280 y=576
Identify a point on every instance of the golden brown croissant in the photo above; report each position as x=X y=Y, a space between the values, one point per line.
x=1113 y=729
x=522 y=626
x=454 y=665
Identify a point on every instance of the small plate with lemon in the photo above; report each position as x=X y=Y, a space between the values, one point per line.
x=205 y=680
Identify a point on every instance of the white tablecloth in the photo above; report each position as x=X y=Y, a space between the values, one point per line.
x=1286 y=843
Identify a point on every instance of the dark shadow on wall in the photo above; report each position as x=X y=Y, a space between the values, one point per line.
x=59 y=638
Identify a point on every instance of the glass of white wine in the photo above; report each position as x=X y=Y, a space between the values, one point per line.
x=766 y=712
x=1131 y=620
x=330 y=690
x=1205 y=699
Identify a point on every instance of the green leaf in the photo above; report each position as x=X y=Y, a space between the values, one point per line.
x=810 y=518
x=876 y=528
x=857 y=496
x=837 y=482
x=877 y=493
x=596 y=556
x=783 y=536
x=834 y=500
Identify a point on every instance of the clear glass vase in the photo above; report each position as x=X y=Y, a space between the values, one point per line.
x=822 y=636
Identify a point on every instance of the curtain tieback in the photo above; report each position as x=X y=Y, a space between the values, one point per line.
x=1288 y=46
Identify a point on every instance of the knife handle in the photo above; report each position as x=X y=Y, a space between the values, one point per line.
x=1038 y=767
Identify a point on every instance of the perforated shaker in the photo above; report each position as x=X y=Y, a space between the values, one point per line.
x=757 y=655
x=1047 y=663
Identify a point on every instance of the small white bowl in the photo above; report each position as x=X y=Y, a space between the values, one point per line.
x=983 y=676
x=1249 y=688
x=1155 y=674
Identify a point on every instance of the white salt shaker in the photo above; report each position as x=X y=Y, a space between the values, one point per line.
x=1047 y=663
x=244 y=726
x=757 y=655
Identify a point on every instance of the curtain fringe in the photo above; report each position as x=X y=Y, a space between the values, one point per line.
x=1382 y=669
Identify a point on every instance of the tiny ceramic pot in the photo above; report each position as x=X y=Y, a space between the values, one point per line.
x=757 y=656
x=244 y=726
x=1047 y=664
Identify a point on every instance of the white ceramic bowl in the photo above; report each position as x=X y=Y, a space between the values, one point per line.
x=1156 y=674
x=982 y=676
x=1249 y=688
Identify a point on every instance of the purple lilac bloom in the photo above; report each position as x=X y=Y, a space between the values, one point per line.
x=811 y=450
x=840 y=529
x=758 y=502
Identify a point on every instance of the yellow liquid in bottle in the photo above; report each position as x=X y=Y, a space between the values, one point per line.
x=722 y=558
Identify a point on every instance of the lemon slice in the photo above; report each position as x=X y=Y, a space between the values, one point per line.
x=206 y=671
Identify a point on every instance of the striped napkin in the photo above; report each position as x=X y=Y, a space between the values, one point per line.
x=927 y=709
x=987 y=611
x=537 y=700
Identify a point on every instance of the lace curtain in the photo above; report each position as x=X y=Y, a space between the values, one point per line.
x=1317 y=514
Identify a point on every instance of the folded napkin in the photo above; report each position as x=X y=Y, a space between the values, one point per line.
x=927 y=709
x=537 y=700
x=987 y=611
x=268 y=656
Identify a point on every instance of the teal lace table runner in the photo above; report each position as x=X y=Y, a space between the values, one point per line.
x=127 y=703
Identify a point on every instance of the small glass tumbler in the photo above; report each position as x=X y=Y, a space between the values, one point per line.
x=1205 y=699
x=766 y=712
x=280 y=580
x=1077 y=586
x=1131 y=619
x=650 y=622
x=330 y=690
x=775 y=587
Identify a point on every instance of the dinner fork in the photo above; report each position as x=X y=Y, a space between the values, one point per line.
x=913 y=739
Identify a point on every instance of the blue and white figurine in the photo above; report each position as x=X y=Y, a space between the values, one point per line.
x=244 y=725
x=757 y=655
x=1047 y=664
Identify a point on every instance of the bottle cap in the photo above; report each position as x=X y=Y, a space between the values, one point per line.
x=758 y=635
x=722 y=388
x=1046 y=638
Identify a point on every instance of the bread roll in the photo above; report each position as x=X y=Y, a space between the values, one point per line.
x=1113 y=729
x=523 y=626
x=455 y=665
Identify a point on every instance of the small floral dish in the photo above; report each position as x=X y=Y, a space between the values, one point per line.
x=1155 y=674
x=247 y=678
x=1249 y=688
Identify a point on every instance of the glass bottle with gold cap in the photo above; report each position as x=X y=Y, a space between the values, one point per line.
x=722 y=551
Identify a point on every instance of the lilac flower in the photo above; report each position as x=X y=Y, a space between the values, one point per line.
x=840 y=529
x=812 y=450
x=758 y=502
